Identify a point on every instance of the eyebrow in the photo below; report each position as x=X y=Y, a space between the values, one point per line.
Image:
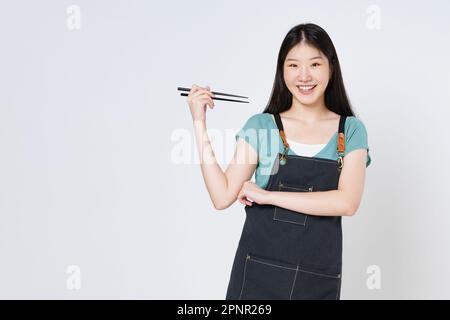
x=317 y=57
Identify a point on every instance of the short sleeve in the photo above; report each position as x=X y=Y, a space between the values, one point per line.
x=356 y=137
x=249 y=132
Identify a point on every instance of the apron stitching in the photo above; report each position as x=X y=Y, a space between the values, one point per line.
x=272 y=265
x=281 y=185
x=291 y=268
x=243 y=280
x=288 y=221
x=293 y=284
x=320 y=274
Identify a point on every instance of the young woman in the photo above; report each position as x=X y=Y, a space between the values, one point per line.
x=310 y=154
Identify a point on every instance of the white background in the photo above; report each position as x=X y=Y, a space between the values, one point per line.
x=88 y=117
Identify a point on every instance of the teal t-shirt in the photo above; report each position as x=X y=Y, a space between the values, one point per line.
x=261 y=132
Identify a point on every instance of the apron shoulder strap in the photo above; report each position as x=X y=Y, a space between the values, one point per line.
x=341 y=141
x=341 y=136
x=281 y=129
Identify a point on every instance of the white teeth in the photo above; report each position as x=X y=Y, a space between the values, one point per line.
x=305 y=88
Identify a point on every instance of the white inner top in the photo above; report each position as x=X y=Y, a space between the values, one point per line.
x=306 y=150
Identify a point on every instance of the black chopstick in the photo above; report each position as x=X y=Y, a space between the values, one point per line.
x=215 y=98
x=215 y=92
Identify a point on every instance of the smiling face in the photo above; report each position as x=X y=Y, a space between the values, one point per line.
x=306 y=74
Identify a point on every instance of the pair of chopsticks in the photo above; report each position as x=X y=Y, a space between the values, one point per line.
x=217 y=93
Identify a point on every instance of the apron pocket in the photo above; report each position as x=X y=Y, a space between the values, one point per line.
x=286 y=215
x=311 y=285
x=267 y=279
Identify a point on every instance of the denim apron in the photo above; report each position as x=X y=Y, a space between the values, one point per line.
x=285 y=254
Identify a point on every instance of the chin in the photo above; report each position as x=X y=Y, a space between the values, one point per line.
x=307 y=100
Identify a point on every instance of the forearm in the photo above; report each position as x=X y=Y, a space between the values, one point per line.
x=213 y=175
x=318 y=203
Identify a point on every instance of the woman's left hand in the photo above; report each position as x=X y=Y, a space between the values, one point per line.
x=252 y=192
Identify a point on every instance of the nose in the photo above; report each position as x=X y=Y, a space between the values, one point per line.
x=304 y=75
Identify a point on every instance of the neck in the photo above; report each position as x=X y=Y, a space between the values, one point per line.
x=310 y=113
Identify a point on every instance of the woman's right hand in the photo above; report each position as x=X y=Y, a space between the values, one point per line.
x=198 y=99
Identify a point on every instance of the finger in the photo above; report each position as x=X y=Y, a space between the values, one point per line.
x=194 y=89
x=198 y=96
x=243 y=199
x=208 y=101
x=203 y=94
x=202 y=91
x=197 y=93
x=210 y=92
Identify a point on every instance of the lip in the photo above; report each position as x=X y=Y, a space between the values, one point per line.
x=306 y=92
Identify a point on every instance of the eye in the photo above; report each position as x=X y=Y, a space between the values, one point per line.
x=315 y=64
x=292 y=65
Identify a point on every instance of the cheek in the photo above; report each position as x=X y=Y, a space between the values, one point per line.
x=325 y=75
x=323 y=79
x=289 y=75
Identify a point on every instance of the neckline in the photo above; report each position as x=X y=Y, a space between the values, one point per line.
x=325 y=145
x=306 y=144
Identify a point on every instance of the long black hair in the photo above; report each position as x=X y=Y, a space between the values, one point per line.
x=336 y=98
